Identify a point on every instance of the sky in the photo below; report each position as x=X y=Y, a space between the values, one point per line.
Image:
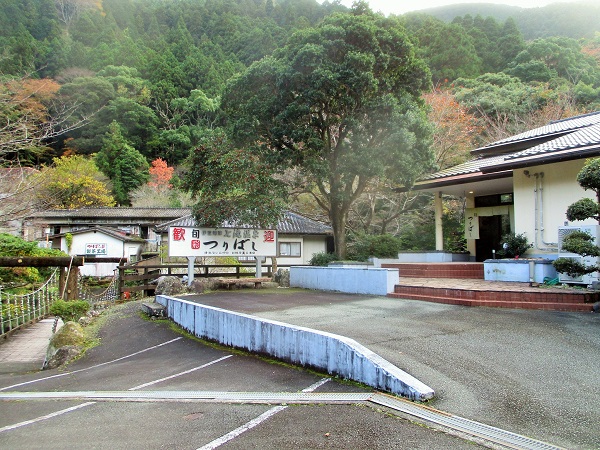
x=403 y=6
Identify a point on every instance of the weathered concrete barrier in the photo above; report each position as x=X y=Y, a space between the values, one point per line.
x=345 y=279
x=337 y=355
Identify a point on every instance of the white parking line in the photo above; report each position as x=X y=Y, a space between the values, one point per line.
x=73 y=408
x=46 y=417
x=257 y=421
x=179 y=374
x=89 y=368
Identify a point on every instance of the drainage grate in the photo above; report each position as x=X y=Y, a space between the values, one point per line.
x=487 y=432
x=259 y=397
x=476 y=429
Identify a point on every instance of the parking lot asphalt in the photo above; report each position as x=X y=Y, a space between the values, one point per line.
x=143 y=356
x=531 y=372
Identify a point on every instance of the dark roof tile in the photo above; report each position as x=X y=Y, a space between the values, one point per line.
x=291 y=223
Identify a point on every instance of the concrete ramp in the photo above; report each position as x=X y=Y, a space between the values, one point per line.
x=334 y=354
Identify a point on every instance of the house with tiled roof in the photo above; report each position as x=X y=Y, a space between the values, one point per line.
x=521 y=184
x=95 y=243
x=138 y=222
x=299 y=237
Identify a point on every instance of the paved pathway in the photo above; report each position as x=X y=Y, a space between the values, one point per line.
x=25 y=350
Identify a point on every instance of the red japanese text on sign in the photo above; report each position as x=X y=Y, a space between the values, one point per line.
x=178 y=234
x=269 y=236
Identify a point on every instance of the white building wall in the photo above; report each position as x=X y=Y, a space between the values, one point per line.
x=557 y=188
x=115 y=248
x=309 y=245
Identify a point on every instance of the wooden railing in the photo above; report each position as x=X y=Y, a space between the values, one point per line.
x=133 y=278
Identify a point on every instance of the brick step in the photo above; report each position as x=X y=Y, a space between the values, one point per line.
x=574 y=302
x=438 y=270
x=491 y=295
x=547 y=306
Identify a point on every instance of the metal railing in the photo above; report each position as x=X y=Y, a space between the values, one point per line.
x=18 y=310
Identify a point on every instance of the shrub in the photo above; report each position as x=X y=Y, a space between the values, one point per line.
x=364 y=246
x=69 y=311
x=322 y=259
x=514 y=245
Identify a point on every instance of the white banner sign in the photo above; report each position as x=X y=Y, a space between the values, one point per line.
x=471 y=224
x=188 y=241
x=95 y=249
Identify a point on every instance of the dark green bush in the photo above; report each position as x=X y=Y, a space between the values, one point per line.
x=71 y=310
x=514 y=245
x=322 y=259
x=363 y=246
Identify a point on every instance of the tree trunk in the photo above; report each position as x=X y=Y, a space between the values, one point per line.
x=339 y=236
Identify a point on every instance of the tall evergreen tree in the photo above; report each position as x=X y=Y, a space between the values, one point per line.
x=124 y=165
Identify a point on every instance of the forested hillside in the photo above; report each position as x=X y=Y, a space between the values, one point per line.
x=569 y=19
x=131 y=86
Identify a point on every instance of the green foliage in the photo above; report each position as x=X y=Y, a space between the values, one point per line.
x=583 y=209
x=70 y=311
x=514 y=245
x=230 y=184
x=581 y=243
x=322 y=259
x=363 y=246
x=124 y=165
x=15 y=246
x=340 y=104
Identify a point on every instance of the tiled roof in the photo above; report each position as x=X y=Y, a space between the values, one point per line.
x=114 y=213
x=473 y=166
x=558 y=127
x=122 y=236
x=291 y=223
x=585 y=137
x=574 y=138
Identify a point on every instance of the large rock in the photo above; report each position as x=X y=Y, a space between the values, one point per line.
x=66 y=344
x=282 y=277
x=169 y=285
x=62 y=356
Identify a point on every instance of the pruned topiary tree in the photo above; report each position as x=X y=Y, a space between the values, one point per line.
x=581 y=242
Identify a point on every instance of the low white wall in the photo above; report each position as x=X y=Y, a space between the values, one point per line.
x=345 y=279
x=335 y=354
x=518 y=270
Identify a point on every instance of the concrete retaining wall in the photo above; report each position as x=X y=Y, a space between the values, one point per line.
x=345 y=279
x=334 y=354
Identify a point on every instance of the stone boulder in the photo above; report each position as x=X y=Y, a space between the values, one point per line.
x=282 y=278
x=66 y=344
x=169 y=285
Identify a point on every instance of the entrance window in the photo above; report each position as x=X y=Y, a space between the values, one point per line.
x=494 y=200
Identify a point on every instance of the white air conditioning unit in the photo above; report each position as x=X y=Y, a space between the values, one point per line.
x=564 y=231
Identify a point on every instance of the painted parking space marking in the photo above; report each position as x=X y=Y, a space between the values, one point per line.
x=91 y=367
x=83 y=405
x=179 y=374
x=45 y=417
x=256 y=421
